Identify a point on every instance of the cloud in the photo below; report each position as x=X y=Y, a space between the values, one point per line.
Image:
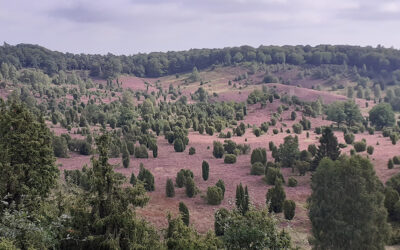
x=132 y=26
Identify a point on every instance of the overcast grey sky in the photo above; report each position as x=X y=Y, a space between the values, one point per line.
x=132 y=26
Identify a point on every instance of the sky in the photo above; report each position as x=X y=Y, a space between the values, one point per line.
x=142 y=26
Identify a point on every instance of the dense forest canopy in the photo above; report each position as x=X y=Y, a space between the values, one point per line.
x=379 y=60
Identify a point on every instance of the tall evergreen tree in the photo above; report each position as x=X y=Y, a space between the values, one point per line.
x=275 y=197
x=328 y=147
x=242 y=199
x=103 y=219
x=27 y=163
x=347 y=205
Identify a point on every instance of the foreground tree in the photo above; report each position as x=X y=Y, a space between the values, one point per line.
x=347 y=205
x=27 y=163
x=103 y=218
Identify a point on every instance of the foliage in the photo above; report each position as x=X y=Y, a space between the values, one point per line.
x=214 y=195
x=205 y=169
x=328 y=147
x=190 y=187
x=218 y=149
x=221 y=184
x=184 y=211
x=381 y=115
x=230 y=158
x=257 y=169
x=178 y=145
x=275 y=197
x=259 y=155
x=292 y=182
x=360 y=146
x=141 y=152
x=169 y=188
x=182 y=176
x=192 y=151
x=289 y=209
x=349 y=138
x=147 y=178
x=242 y=199
x=334 y=184
x=288 y=152
x=27 y=166
x=272 y=174
x=254 y=230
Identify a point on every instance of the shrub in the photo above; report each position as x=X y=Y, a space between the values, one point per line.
x=396 y=160
x=214 y=195
x=297 y=128
x=257 y=169
x=312 y=149
x=302 y=167
x=184 y=211
x=141 y=152
x=349 y=138
x=259 y=155
x=370 y=150
x=220 y=218
x=169 y=188
x=155 y=151
x=318 y=130
x=257 y=132
x=85 y=148
x=390 y=164
x=205 y=168
x=371 y=130
x=218 y=150
x=360 y=146
x=292 y=182
x=147 y=178
x=190 y=187
x=342 y=145
x=271 y=145
x=133 y=179
x=60 y=146
x=293 y=116
x=181 y=177
x=221 y=185
x=192 y=151
x=178 y=145
x=272 y=174
x=394 y=137
x=230 y=159
x=275 y=197
x=289 y=208
x=275 y=131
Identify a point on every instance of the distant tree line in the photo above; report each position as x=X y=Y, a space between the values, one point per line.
x=379 y=60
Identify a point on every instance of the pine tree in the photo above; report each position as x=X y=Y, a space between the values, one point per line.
x=184 y=211
x=328 y=147
x=205 y=168
x=347 y=196
x=105 y=208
